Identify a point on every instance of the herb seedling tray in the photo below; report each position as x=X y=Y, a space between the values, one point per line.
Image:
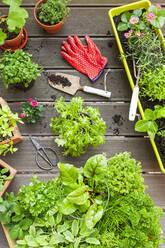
x=145 y=4
x=16 y=138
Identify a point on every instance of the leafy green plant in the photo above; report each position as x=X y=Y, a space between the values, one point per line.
x=149 y=123
x=53 y=11
x=18 y=68
x=14 y=21
x=4 y=177
x=9 y=147
x=156 y=16
x=31 y=110
x=77 y=126
x=152 y=84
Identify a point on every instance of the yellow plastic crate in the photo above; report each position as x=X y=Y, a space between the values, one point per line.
x=145 y=4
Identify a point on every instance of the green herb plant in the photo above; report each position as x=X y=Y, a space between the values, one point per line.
x=8 y=122
x=77 y=126
x=149 y=123
x=53 y=11
x=4 y=177
x=18 y=68
x=31 y=110
x=14 y=21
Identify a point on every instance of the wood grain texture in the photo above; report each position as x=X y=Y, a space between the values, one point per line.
x=109 y=112
x=91 y=2
x=24 y=159
x=95 y=23
x=117 y=83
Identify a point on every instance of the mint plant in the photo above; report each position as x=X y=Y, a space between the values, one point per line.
x=14 y=21
x=53 y=11
x=8 y=122
x=149 y=123
x=18 y=68
x=31 y=110
x=4 y=177
x=77 y=126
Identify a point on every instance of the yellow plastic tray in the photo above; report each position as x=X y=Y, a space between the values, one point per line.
x=145 y=4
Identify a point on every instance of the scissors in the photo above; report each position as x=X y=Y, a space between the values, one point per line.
x=42 y=152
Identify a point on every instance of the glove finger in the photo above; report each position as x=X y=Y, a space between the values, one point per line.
x=64 y=49
x=91 y=45
x=78 y=42
x=73 y=45
x=68 y=48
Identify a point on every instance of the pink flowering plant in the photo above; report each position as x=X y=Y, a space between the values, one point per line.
x=31 y=110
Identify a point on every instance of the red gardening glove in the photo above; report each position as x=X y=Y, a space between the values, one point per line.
x=83 y=59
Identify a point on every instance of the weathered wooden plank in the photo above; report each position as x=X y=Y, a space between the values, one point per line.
x=24 y=158
x=114 y=114
x=117 y=83
x=92 y=2
x=46 y=52
x=91 y=21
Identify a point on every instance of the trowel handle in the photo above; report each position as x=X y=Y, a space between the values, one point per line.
x=97 y=91
x=133 y=104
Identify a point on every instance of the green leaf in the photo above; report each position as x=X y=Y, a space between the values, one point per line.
x=153 y=9
x=14 y=232
x=32 y=231
x=3 y=36
x=69 y=236
x=93 y=241
x=16 y=18
x=68 y=173
x=142 y=26
x=77 y=242
x=137 y=12
x=11 y=2
x=75 y=227
x=79 y=196
x=161 y=12
x=158 y=22
x=122 y=26
x=56 y=239
x=67 y=207
x=26 y=223
x=125 y=17
x=93 y=215
x=21 y=242
x=149 y=114
x=95 y=167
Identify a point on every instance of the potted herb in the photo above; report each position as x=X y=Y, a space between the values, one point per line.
x=69 y=211
x=7 y=174
x=31 y=110
x=18 y=69
x=77 y=126
x=9 y=132
x=137 y=30
x=11 y=25
x=51 y=14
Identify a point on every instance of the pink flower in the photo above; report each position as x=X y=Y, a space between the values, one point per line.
x=134 y=20
x=30 y=99
x=142 y=34
x=22 y=115
x=158 y=6
x=131 y=31
x=127 y=35
x=150 y=17
x=138 y=35
x=34 y=103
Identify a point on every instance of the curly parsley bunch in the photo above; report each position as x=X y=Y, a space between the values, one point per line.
x=77 y=126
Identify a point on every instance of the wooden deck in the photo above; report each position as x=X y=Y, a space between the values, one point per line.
x=87 y=17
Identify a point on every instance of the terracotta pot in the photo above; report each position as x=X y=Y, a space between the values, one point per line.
x=52 y=29
x=12 y=172
x=16 y=41
x=16 y=138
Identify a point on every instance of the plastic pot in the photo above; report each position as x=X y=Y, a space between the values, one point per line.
x=52 y=29
x=145 y=4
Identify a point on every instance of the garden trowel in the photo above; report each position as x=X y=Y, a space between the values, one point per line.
x=71 y=84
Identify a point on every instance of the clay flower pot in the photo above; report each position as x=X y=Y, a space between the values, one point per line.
x=13 y=42
x=16 y=138
x=12 y=172
x=52 y=29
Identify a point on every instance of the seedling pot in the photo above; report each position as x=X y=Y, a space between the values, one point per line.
x=18 y=42
x=145 y=4
x=16 y=138
x=52 y=29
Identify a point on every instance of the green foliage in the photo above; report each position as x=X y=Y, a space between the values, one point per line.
x=16 y=17
x=53 y=11
x=3 y=36
x=149 y=123
x=152 y=84
x=77 y=126
x=124 y=175
x=4 y=177
x=159 y=21
x=32 y=110
x=8 y=122
x=9 y=147
x=18 y=68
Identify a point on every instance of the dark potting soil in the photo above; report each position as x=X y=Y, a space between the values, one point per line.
x=21 y=86
x=10 y=35
x=46 y=23
x=59 y=80
x=118 y=119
